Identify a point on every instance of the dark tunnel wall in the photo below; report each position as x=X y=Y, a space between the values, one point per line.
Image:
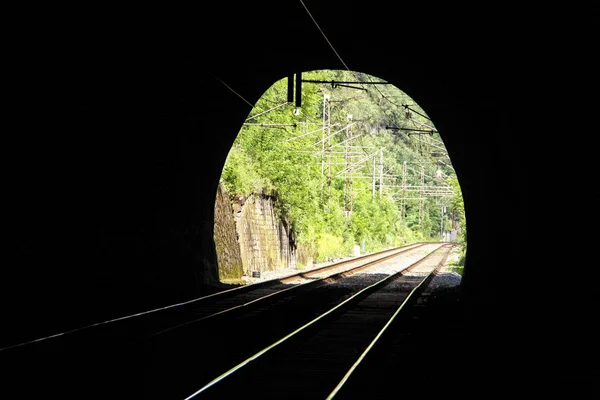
x=120 y=126
x=125 y=126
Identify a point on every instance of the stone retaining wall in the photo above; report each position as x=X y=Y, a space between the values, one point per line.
x=249 y=236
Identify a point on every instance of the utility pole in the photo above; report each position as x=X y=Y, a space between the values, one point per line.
x=373 y=188
x=421 y=201
x=329 y=146
x=442 y=223
x=381 y=173
x=326 y=98
x=403 y=201
x=348 y=203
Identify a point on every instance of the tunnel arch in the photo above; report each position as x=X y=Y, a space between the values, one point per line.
x=282 y=99
x=135 y=205
x=116 y=138
x=446 y=102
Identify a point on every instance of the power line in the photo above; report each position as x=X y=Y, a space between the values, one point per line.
x=264 y=112
x=268 y=125
x=416 y=112
x=322 y=33
x=362 y=84
x=334 y=82
x=342 y=61
x=415 y=131
x=236 y=93
x=337 y=54
x=414 y=121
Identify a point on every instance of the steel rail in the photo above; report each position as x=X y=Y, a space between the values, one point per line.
x=342 y=305
x=214 y=296
x=416 y=289
x=276 y=294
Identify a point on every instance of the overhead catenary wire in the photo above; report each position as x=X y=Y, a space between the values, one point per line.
x=333 y=134
x=269 y=110
x=374 y=154
x=269 y=125
x=341 y=60
x=304 y=134
x=433 y=129
x=345 y=65
x=414 y=121
x=430 y=144
x=232 y=90
x=375 y=84
x=416 y=112
x=323 y=33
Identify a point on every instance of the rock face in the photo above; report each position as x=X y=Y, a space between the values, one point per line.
x=250 y=236
x=226 y=241
x=266 y=242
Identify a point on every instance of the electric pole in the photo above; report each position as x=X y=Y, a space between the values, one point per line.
x=421 y=201
x=403 y=201
x=326 y=121
x=381 y=173
x=348 y=203
x=373 y=188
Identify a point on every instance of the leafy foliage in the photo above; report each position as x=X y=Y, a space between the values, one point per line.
x=323 y=162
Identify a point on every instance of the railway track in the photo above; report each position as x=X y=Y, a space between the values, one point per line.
x=313 y=360
x=168 y=353
x=154 y=322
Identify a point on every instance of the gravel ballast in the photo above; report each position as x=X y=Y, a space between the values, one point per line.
x=445 y=279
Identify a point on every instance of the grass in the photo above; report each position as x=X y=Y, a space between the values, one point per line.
x=458 y=264
x=233 y=281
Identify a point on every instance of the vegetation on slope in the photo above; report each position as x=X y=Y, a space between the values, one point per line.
x=342 y=177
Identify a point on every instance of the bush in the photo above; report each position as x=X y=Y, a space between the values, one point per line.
x=329 y=245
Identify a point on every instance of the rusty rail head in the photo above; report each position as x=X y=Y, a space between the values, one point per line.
x=338 y=264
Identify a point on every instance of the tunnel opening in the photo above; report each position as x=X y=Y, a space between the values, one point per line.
x=330 y=164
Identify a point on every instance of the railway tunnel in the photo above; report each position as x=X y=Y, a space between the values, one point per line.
x=121 y=134
x=336 y=148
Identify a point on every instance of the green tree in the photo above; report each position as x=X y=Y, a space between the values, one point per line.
x=277 y=152
x=458 y=207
